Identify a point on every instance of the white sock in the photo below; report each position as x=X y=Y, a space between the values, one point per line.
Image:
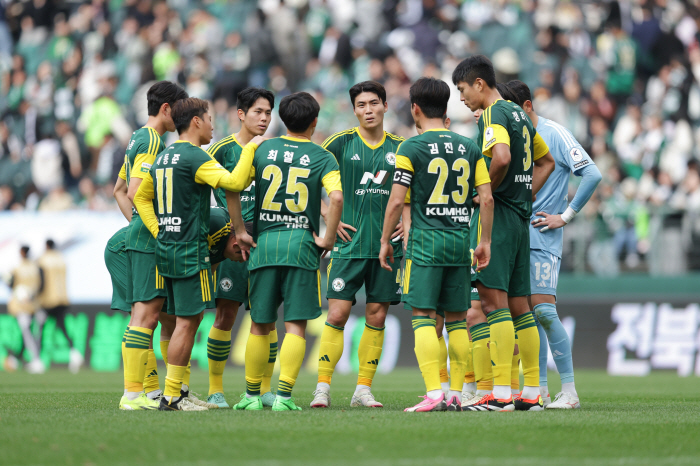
x=323 y=386
x=170 y=399
x=514 y=391
x=284 y=397
x=481 y=393
x=445 y=386
x=469 y=387
x=152 y=395
x=133 y=395
x=452 y=393
x=247 y=395
x=569 y=387
x=544 y=390
x=530 y=393
x=435 y=394
x=361 y=387
x=185 y=388
x=502 y=392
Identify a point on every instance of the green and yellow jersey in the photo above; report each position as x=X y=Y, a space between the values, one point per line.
x=505 y=122
x=441 y=168
x=228 y=152
x=289 y=173
x=219 y=232
x=144 y=146
x=366 y=172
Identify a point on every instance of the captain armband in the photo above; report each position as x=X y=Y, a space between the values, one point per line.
x=403 y=177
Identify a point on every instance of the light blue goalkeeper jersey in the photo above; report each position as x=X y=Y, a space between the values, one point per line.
x=569 y=157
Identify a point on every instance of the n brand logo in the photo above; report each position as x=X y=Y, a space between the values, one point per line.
x=380 y=178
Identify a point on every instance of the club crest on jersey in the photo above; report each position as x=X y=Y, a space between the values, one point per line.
x=338 y=284
x=391 y=158
x=226 y=284
x=576 y=154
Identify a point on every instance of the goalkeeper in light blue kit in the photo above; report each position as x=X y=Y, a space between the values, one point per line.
x=550 y=214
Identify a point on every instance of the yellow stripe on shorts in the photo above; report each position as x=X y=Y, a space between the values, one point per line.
x=407 y=275
x=318 y=274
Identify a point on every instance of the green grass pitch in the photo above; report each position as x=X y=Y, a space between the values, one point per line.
x=59 y=418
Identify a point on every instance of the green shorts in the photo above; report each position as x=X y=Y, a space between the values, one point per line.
x=509 y=269
x=232 y=281
x=346 y=277
x=143 y=283
x=191 y=295
x=438 y=288
x=299 y=289
x=116 y=263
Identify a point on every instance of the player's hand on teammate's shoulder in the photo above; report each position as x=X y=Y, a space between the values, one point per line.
x=257 y=140
x=545 y=221
x=386 y=251
x=344 y=235
x=482 y=256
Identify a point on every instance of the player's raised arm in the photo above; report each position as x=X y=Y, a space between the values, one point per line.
x=216 y=176
x=143 y=200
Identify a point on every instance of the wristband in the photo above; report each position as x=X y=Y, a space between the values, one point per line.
x=568 y=214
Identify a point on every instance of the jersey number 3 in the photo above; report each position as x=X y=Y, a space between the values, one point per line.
x=274 y=174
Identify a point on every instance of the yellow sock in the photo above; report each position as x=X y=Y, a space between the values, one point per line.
x=481 y=356
x=257 y=351
x=124 y=354
x=427 y=351
x=164 y=350
x=330 y=351
x=150 y=383
x=443 y=360
x=502 y=345
x=218 y=349
x=173 y=381
x=188 y=372
x=459 y=349
x=136 y=348
x=529 y=344
x=369 y=352
x=469 y=375
x=515 y=369
x=291 y=359
x=267 y=376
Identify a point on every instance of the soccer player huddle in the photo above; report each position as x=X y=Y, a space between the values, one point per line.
x=478 y=262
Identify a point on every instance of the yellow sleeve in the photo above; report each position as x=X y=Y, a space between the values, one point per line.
x=481 y=174
x=494 y=134
x=332 y=182
x=216 y=176
x=142 y=165
x=143 y=200
x=404 y=163
x=122 y=172
x=407 y=199
x=540 y=147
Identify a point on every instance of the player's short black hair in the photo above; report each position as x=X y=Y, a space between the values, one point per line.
x=186 y=109
x=367 y=86
x=431 y=95
x=24 y=250
x=477 y=66
x=163 y=92
x=50 y=244
x=505 y=92
x=520 y=91
x=248 y=96
x=298 y=111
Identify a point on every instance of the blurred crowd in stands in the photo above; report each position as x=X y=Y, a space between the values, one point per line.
x=624 y=77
